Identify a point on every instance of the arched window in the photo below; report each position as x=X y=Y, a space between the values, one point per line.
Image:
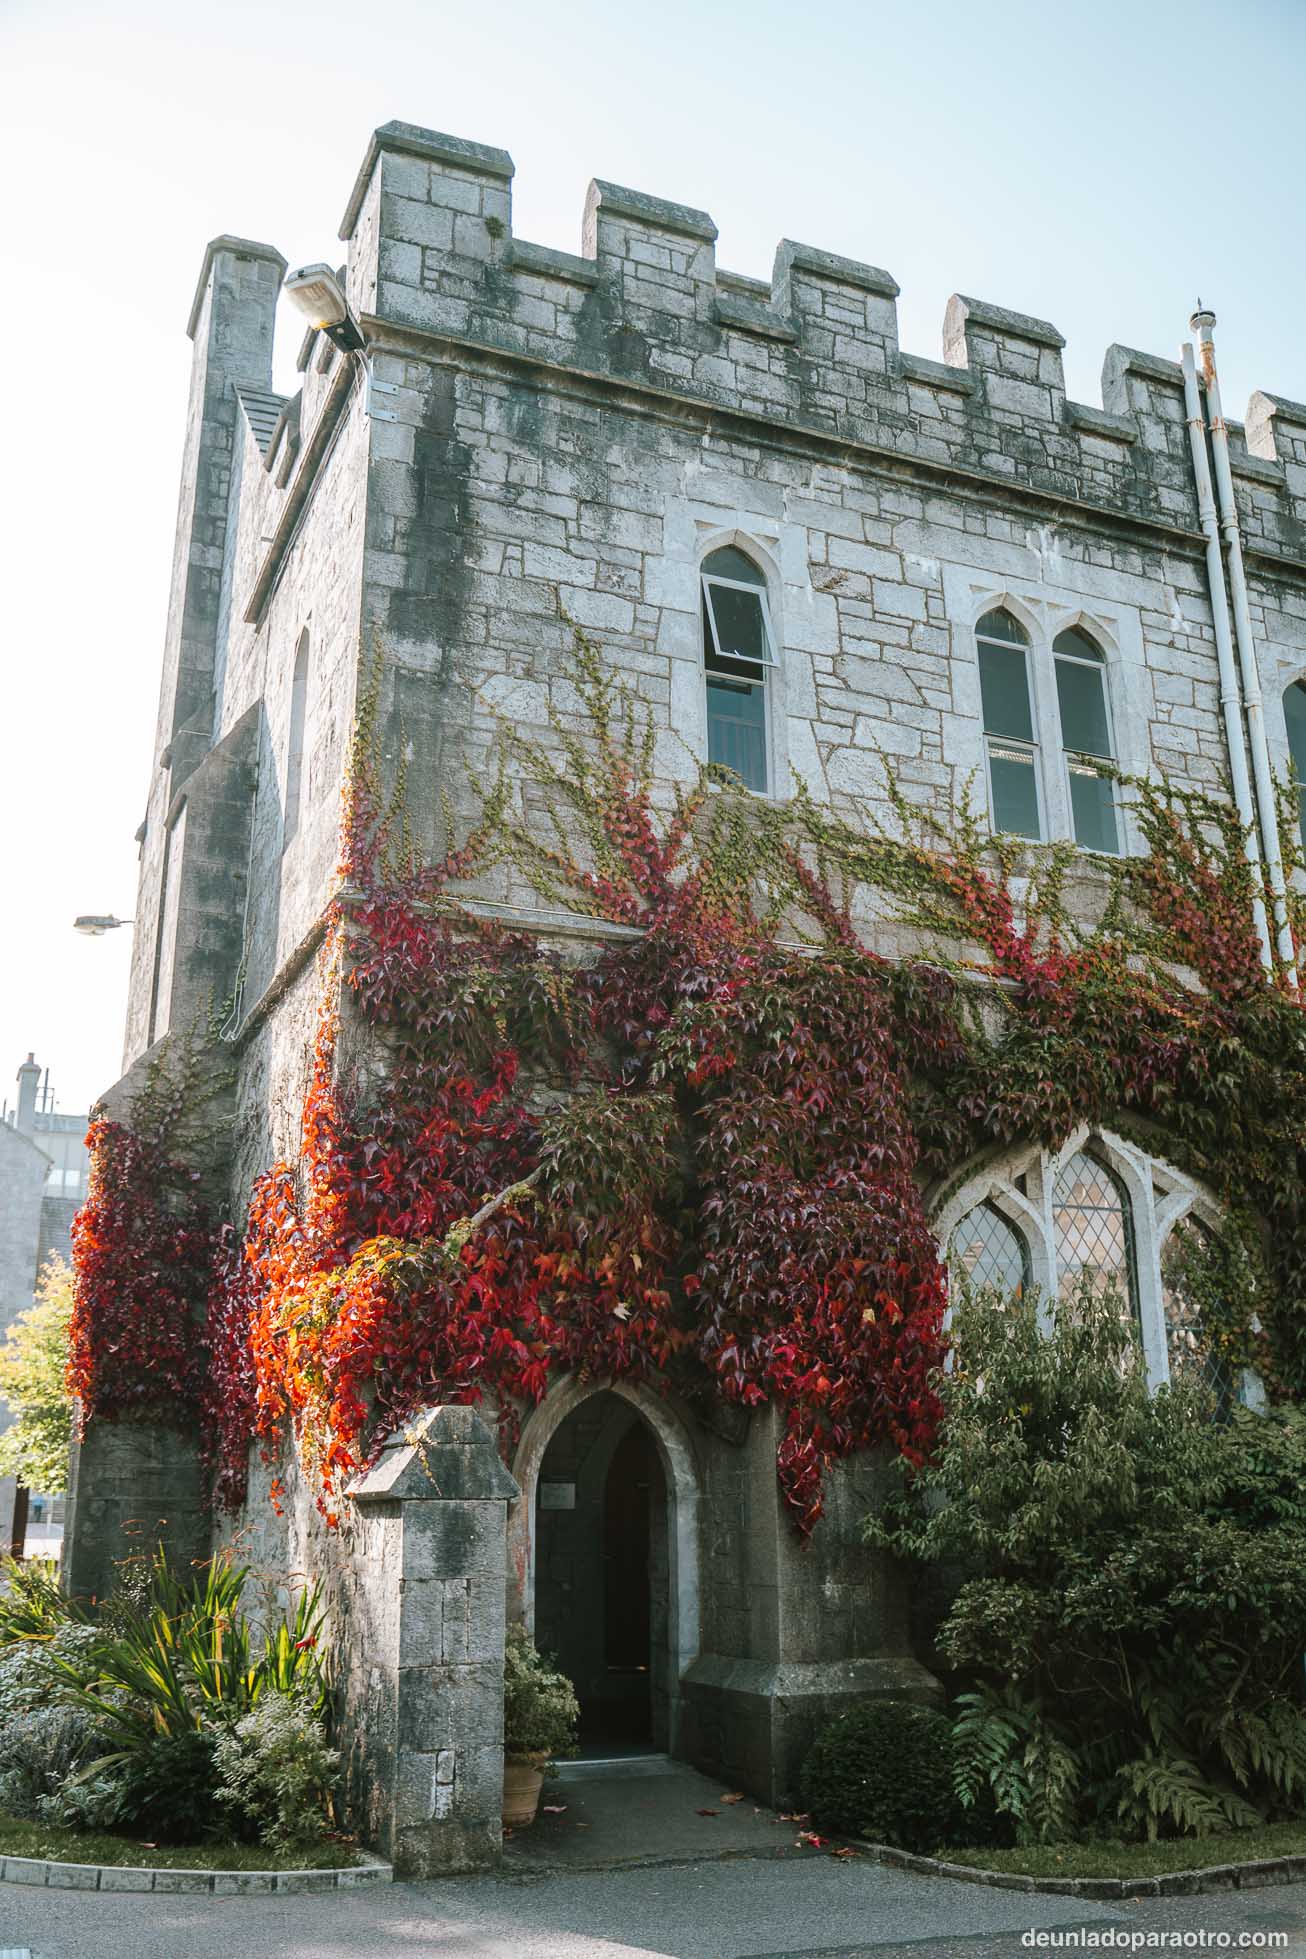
x=987 y=1250
x=1294 y=713
x=1086 y=738
x=295 y=740
x=738 y=651
x=1094 y=1240
x=1189 y=1352
x=1009 y=739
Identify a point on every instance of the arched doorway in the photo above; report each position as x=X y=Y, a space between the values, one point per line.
x=605 y=1559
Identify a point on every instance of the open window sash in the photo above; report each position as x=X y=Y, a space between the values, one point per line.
x=740 y=625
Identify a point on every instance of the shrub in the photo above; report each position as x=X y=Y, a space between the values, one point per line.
x=1132 y=1606
x=276 y=1773
x=164 y=1678
x=169 y=1784
x=539 y=1705
x=31 y=1604
x=884 y=1771
x=41 y=1749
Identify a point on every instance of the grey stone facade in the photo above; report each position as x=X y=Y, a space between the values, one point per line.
x=538 y=440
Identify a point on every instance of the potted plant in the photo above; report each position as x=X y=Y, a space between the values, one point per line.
x=539 y=1722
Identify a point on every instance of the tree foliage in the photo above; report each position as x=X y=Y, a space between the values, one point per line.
x=33 y=1370
x=1131 y=1605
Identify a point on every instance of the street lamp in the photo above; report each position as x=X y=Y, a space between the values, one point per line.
x=317 y=293
x=95 y=926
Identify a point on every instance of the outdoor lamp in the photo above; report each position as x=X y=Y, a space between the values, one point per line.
x=95 y=926
x=318 y=294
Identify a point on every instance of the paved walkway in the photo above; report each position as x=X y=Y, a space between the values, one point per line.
x=645 y=1810
x=626 y=1868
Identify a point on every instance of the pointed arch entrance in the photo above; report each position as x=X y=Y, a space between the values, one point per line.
x=603 y=1549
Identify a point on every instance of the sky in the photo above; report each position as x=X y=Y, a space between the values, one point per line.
x=1101 y=166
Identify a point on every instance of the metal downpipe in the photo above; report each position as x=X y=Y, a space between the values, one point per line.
x=1230 y=696
x=1263 y=776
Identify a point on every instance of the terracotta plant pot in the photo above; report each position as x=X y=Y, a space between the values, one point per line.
x=523 y=1779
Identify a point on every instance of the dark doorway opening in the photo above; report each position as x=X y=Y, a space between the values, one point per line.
x=601 y=1573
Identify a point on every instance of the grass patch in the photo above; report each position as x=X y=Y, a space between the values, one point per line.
x=1110 y=1859
x=20 y=1839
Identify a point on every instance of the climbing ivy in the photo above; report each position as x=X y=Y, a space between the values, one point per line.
x=699 y=1158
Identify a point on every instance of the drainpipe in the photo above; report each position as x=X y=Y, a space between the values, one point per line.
x=1201 y=323
x=1230 y=698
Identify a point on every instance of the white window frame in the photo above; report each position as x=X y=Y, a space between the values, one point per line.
x=1044 y=610
x=1158 y=1197
x=1033 y=746
x=1070 y=755
x=769 y=663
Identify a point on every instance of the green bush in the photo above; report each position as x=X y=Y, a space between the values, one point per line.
x=539 y=1705
x=168 y=1674
x=276 y=1773
x=884 y=1771
x=1131 y=1614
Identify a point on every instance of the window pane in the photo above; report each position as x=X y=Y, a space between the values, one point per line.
x=1004 y=691
x=1093 y=806
x=1001 y=625
x=1190 y=1353
x=736 y=728
x=1015 y=791
x=987 y=1251
x=730 y=563
x=1294 y=713
x=1092 y=1232
x=1081 y=695
x=1077 y=644
x=740 y=623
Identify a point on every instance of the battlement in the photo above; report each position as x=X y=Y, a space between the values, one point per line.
x=431 y=249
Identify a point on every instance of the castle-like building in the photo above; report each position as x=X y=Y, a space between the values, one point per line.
x=805 y=550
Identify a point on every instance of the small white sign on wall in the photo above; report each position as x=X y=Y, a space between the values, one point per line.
x=557 y=1496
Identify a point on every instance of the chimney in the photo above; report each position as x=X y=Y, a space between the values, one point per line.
x=28 y=1077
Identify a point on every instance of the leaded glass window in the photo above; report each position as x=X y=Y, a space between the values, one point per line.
x=1094 y=1239
x=987 y=1250
x=737 y=653
x=1086 y=739
x=1009 y=742
x=1189 y=1352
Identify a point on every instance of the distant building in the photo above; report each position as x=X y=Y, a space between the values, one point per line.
x=43 y=1170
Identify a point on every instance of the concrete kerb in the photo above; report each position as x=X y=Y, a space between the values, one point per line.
x=1168 y=1884
x=57 y=1875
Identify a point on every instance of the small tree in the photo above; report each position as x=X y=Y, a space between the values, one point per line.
x=1130 y=1610
x=33 y=1360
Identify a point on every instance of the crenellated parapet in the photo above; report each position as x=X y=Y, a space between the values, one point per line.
x=431 y=249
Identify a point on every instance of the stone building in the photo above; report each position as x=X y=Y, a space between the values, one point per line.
x=806 y=549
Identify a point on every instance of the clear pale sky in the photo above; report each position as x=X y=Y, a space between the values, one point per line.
x=1097 y=165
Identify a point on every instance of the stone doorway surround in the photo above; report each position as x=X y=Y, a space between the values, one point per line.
x=683 y=1496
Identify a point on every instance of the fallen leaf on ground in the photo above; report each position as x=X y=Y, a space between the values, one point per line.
x=845 y=1850
x=707 y=1812
x=793 y=1816
x=738 y=1797
x=810 y=1838
x=554 y=1809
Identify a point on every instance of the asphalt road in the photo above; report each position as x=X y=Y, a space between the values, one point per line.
x=745 y=1908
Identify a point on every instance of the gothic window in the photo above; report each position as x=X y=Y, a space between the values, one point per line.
x=1188 y=1351
x=1294 y=713
x=1092 y=1228
x=1009 y=740
x=738 y=652
x=987 y=1250
x=295 y=742
x=1102 y=1211
x=1086 y=739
